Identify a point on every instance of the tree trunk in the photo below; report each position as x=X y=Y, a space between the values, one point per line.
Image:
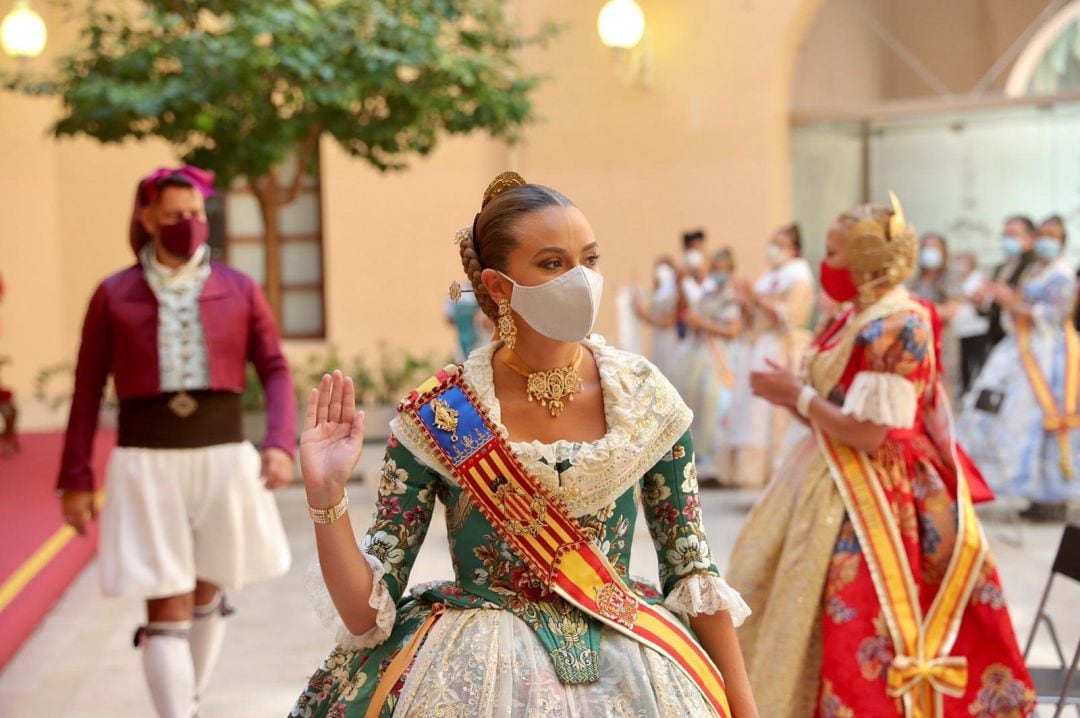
x=268 y=193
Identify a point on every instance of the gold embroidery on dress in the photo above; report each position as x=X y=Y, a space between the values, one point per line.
x=617 y=604
x=574 y=662
x=651 y=418
x=517 y=504
x=458 y=512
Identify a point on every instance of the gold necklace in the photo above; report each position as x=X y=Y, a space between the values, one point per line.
x=549 y=386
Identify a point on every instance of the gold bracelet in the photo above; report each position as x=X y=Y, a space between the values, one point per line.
x=330 y=515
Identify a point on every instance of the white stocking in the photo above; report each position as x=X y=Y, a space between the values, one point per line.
x=169 y=671
x=206 y=637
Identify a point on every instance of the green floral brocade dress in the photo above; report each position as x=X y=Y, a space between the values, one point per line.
x=507 y=646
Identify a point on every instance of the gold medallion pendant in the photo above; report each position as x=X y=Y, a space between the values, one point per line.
x=446 y=419
x=551 y=387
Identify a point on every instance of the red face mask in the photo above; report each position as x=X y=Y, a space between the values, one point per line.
x=185 y=237
x=838 y=283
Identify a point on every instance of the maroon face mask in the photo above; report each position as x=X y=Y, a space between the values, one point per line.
x=184 y=238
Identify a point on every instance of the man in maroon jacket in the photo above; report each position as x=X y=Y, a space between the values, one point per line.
x=186 y=514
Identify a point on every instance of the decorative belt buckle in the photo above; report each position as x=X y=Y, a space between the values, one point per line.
x=183 y=404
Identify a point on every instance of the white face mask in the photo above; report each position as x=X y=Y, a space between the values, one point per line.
x=564 y=308
x=695 y=258
x=664 y=274
x=775 y=255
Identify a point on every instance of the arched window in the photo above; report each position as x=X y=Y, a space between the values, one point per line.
x=1050 y=64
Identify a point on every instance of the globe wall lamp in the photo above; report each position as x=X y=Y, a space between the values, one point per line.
x=621 y=25
x=23 y=33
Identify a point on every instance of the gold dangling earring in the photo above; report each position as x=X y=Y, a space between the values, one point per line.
x=507 y=328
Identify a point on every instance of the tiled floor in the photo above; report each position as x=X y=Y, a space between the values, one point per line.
x=80 y=662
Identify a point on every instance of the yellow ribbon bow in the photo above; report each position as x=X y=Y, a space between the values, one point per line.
x=947 y=674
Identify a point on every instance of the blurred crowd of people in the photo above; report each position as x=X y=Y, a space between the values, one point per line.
x=1007 y=333
x=711 y=328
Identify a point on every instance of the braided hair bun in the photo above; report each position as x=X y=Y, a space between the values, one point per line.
x=490 y=240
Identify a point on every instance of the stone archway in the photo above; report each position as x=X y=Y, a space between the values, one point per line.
x=1029 y=59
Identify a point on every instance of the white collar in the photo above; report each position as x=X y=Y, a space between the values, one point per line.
x=173 y=276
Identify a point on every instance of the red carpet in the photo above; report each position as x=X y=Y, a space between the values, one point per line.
x=40 y=558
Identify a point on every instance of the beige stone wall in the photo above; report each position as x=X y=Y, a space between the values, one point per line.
x=64 y=207
x=706 y=146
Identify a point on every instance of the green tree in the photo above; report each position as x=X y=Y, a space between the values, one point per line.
x=238 y=86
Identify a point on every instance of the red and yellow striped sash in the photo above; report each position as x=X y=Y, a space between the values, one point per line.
x=923 y=671
x=1057 y=419
x=540 y=530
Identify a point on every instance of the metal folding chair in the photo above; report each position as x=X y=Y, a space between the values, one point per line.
x=1061 y=685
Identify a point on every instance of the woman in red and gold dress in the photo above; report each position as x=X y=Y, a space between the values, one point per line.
x=873 y=590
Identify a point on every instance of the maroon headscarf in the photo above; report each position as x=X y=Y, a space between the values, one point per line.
x=147 y=192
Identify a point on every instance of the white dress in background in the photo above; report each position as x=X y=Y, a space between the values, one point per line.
x=759 y=434
x=705 y=374
x=1015 y=454
x=665 y=340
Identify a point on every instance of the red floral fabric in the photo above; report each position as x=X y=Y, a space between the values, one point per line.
x=921 y=488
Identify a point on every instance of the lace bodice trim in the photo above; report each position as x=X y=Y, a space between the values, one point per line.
x=645 y=417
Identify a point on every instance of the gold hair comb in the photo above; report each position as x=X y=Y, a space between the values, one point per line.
x=897 y=223
x=504 y=182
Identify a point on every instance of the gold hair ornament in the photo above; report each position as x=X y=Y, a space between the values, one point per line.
x=504 y=182
x=887 y=253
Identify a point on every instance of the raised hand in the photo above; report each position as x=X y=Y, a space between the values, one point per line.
x=332 y=441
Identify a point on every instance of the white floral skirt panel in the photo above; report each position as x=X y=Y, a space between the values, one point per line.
x=481 y=662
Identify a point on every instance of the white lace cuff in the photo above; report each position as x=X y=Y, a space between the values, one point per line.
x=708 y=594
x=883 y=399
x=328 y=615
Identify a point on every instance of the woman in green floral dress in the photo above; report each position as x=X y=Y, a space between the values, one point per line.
x=504 y=643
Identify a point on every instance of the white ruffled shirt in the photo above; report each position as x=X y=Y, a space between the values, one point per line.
x=182 y=355
x=642 y=425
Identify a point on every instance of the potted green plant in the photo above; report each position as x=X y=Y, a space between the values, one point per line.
x=393 y=374
x=54 y=384
x=381 y=381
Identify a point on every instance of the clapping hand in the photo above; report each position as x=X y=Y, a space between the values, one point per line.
x=776 y=385
x=332 y=441
x=1004 y=295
